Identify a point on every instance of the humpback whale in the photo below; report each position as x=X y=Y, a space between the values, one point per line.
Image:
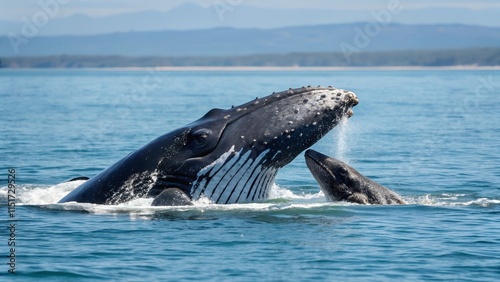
x=228 y=156
x=340 y=182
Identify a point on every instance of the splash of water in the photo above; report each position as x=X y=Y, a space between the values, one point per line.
x=342 y=138
x=452 y=200
x=47 y=196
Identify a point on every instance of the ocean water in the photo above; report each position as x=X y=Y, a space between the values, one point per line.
x=433 y=136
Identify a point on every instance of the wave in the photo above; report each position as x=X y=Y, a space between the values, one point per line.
x=447 y=199
x=280 y=198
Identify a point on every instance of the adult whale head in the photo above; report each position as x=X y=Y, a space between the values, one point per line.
x=228 y=156
x=340 y=182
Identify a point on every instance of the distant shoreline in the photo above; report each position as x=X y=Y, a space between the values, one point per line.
x=382 y=68
x=475 y=58
x=247 y=68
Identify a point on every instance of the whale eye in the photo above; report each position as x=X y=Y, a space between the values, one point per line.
x=200 y=137
x=343 y=170
x=201 y=142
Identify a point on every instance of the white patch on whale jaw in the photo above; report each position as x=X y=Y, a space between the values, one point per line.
x=236 y=177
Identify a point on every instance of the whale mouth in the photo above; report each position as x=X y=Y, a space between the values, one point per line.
x=350 y=113
x=354 y=99
x=183 y=182
x=351 y=100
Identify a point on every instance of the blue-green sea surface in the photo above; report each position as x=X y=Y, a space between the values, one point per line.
x=431 y=136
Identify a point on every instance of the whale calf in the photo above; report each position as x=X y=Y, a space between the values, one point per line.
x=340 y=182
x=228 y=156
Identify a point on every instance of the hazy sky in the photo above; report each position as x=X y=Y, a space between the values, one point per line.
x=15 y=9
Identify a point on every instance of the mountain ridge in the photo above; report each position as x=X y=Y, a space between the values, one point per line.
x=228 y=41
